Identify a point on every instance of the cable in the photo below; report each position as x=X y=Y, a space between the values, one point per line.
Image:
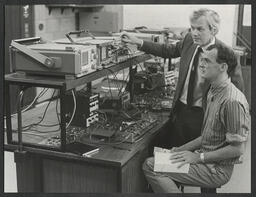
x=109 y=82
x=125 y=83
x=40 y=131
x=111 y=71
x=147 y=74
x=104 y=99
x=35 y=99
x=74 y=110
x=110 y=88
x=114 y=75
x=39 y=96
x=56 y=108
x=38 y=135
x=43 y=114
x=49 y=125
x=121 y=88
x=123 y=75
x=139 y=64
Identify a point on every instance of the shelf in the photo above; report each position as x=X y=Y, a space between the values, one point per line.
x=68 y=84
x=87 y=7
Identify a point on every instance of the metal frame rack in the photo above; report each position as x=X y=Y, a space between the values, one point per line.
x=25 y=81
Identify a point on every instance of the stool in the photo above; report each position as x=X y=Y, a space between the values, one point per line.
x=204 y=190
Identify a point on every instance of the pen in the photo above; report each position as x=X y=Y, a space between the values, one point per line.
x=90 y=153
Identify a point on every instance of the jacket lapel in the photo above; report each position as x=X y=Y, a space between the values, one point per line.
x=184 y=66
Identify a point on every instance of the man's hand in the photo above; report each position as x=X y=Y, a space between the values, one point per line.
x=128 y=38
x=174 y=149
x=185 y=157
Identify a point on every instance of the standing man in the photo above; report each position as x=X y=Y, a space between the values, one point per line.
x=225 y=130
x=187 y=110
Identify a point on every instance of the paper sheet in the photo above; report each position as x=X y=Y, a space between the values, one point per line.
x=164 y=164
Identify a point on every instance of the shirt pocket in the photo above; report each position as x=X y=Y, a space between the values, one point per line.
x=216 y=122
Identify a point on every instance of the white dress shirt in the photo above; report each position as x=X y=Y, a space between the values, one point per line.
x=199 y=81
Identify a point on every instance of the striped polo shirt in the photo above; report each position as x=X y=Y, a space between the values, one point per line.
x=226 y=119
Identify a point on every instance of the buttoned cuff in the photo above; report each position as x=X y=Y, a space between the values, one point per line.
x=141 y=44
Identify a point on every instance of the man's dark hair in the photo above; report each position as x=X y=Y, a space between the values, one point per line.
x=225 y=55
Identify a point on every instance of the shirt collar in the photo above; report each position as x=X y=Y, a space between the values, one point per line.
x=216 y=88
x=211 y=43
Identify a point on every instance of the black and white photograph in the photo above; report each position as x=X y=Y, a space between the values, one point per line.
x=127 y=98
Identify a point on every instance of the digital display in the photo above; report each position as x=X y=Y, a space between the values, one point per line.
x=84 y=58
x=103 y=53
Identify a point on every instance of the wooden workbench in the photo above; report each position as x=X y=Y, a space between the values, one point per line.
x=113 y=169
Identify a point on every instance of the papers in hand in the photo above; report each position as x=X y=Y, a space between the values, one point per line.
x=162 y=162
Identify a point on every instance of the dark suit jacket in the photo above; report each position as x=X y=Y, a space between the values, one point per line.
x=185 y=50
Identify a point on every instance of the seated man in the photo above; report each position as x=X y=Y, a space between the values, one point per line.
x=224 y=132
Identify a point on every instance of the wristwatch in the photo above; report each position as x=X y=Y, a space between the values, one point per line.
x=202 y=157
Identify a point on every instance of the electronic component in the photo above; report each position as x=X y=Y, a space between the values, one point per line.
x=72 y=134
x=145 y=82
x=154 y=65
x=116 y=102
x=105 y=47
x=108 y=48
x=136 y=130
x=87 y=105
x=143 y=29
x=148 y=36
x=105 y=130
x=157 y=100
x=34 y=56
x=129 y=132
x=119 y=130
x=131 y=112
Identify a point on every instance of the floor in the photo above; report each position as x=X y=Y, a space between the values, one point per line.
x=235 y=185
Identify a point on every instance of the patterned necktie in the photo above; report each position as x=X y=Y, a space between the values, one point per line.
x=191 y=84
